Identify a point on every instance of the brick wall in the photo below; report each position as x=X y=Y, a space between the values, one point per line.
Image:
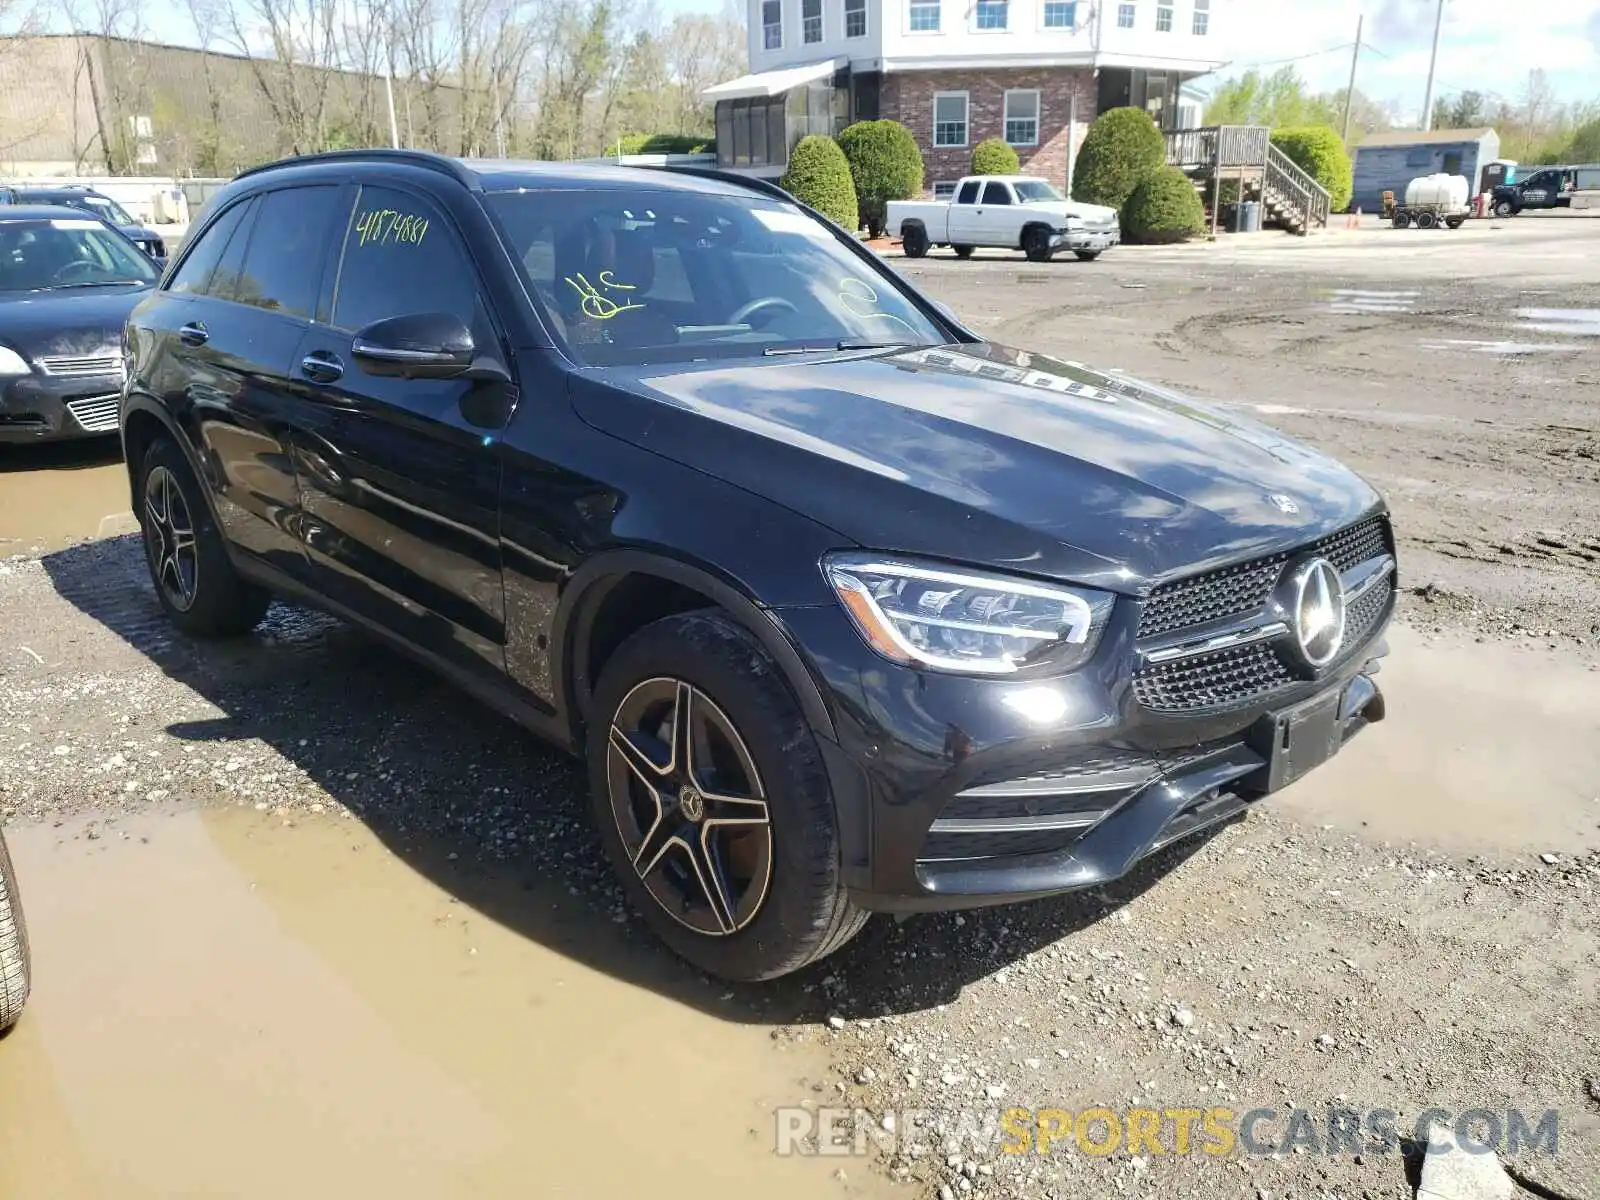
x=908 y=98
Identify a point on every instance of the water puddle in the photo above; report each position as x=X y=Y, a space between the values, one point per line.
x=1356 y=300
x=58 y=493
x=227 y=1006
x=1505 y=349
x=1573 y=322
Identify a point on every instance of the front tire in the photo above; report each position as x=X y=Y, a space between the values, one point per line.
x=1087 y=255
x=712 y=802
x=1036 y=244
x=16 y=968
x=195 y=581
x=1402 y=220
x=1427 y=220
x=914 y=242
x=1505 y=209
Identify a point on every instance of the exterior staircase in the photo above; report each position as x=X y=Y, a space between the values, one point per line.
x=1244 y=154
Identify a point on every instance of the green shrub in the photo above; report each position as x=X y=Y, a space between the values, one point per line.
x=885 y=165
x=994 y=156
x=1164 y=208
x=819 y=175
x=664 y=143
x=1320 y=153
x=1120 y=150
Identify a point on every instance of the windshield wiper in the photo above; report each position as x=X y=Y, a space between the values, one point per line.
x=89 y=283
x=846 y=344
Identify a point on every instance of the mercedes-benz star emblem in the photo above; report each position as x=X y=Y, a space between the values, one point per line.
x=1317 y=612
x=690 y=804
x=1283 y=504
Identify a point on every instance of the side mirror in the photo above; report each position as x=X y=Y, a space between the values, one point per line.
x=946 y=311
x=418 y=346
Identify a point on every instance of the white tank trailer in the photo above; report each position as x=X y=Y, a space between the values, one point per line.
x=1432 y=201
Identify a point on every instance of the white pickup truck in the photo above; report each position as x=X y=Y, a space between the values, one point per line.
x=1016 y=212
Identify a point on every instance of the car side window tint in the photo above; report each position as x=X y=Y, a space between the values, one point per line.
x=401 y=257
x=969 y=193
x=282 y=265
x=194 y=276
x=996 y=193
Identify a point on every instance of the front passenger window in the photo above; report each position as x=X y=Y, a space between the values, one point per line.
x=402 y=257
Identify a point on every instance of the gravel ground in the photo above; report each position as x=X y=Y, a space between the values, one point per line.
x=1278 y=963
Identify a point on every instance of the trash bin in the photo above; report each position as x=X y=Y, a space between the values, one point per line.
x=1232 y=216
x=1250 y=217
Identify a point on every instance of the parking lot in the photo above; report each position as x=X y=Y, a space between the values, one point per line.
x=292 y=894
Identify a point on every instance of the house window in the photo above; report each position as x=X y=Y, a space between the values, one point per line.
x=772 y=24
x=992 y=14
x=1163 y=18
x=855 y=18
x=810 y=21
x=1202 y=17
x=1061 y=14
x=924 y=16
x=944 y=190
x=1022 y=118
x=950 y=119
x=1124 y=16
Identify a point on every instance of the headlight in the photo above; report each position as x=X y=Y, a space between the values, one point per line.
x=951 y=620
x=11 y=363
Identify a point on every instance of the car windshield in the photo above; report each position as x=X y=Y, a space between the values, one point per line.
x=107 y=209
x=1036 y=191
x=67 y=253
x=649 y=276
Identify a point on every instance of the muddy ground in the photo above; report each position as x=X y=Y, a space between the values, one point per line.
x=288 y=892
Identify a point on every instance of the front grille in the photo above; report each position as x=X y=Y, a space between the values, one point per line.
x=1241 y=591
x=97 y=414
x=1224 y=679
x=82 y=364
x=1243 y=675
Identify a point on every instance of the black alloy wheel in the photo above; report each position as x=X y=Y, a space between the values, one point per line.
x=169 y=537
x=689 y=806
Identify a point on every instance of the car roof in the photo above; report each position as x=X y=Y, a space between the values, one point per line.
x=510 y=175
x=44 y=212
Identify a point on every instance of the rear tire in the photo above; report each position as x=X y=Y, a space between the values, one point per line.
x=962 y=251
x=195 y=580
x=1427 y=220
x=1036 y=243
x=16 y=968
x=914 y=242
x=1087 y=255
x=776 y=900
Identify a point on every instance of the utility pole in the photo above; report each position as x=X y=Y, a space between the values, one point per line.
x=1433 y=63
x=1350 y=92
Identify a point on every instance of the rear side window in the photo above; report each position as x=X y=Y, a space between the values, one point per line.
x=283 y=264
x=402 y=257
x=194 y=276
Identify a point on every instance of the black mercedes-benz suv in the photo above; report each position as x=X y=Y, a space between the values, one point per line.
x=846 y=608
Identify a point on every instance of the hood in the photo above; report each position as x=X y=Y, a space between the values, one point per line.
x=987 y=455
x=1089 y=214
x=77 y=321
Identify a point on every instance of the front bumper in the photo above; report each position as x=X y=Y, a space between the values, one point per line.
x=958 y=792
x=1085 y=239
x=45 y=408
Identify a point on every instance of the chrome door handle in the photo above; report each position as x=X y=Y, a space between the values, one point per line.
x=194 y=334
x=321 y=368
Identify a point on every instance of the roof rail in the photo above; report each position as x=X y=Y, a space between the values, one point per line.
x=765 y=186
x=415 y=158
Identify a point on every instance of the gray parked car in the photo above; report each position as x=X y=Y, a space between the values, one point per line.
x=15 y=972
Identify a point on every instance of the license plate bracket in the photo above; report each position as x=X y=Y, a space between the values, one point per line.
x=1297 y=740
